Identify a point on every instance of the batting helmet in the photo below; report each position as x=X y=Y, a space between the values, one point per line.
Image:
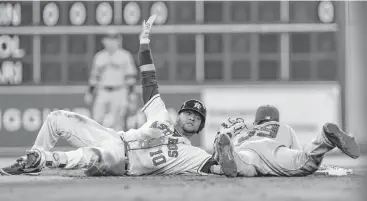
x=197 y=106
x=266 y=113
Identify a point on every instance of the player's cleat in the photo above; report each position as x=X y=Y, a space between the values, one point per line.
x=26 y=165
x=225 y=153
x=230 y=127
x=16 y=169
x=347 y=144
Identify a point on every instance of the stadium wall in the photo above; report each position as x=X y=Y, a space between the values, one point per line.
x=304 y=106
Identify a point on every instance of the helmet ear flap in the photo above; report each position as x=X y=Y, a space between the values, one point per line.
x=201 y=127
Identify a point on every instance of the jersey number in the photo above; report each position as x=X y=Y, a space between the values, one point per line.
x=158 y=159
x=157 y=156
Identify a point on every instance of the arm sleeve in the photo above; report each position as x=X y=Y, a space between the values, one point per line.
x=295 y=142
x=153 y=104
x=148 y=74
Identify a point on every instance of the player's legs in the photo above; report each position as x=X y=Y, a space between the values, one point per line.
x=290 y=162
x=270 y=158
x=99 y=106
x=96 y=161
x=117 y=109
x=78 y=130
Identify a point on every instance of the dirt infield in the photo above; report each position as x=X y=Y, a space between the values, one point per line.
x=72 y=185
x=186 y=188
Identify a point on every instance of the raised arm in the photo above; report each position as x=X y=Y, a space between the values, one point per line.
x=146 y=65
x=153 y=104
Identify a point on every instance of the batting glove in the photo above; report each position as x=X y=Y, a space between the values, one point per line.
x=145 y=32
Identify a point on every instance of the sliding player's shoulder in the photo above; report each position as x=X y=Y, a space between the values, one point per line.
x=155 y=109
x=153 y=103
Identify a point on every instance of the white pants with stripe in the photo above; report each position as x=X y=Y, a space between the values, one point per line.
x=84 y=134
x=269 y=158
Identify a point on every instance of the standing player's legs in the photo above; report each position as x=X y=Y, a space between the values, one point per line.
x=99 y=106
x=117 y=102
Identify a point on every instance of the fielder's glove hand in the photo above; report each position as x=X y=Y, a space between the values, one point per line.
x=232 y=127
x=145 y=32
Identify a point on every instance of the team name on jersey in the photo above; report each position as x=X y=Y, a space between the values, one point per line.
x=172 y=143
x=267 y=131
x=163 y=127
x=172 y=147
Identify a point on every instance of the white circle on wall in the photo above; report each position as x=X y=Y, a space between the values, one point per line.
x=160 y=9
x=77 y=13
x=132 y=13
x=104 y=13
x=326 y=11
x=51 y=14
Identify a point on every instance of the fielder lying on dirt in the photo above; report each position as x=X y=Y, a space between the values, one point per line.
x=271 y=148
x=159 y=147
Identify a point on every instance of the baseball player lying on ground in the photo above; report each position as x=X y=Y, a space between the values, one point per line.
x=271 y=148
x=159 y=147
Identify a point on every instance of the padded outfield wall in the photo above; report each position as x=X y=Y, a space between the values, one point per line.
x=303 y=106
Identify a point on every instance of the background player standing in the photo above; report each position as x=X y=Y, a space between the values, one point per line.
x=112 y=79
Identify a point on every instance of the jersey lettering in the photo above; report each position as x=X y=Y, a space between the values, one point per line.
x=157 y=156
x=163 y=127
x=172 y=147
x=267 y=131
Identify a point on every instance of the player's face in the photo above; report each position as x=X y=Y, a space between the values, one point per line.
x=189 y=121
x=111 y=44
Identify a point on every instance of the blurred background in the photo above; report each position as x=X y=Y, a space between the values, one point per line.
x=308 y=58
